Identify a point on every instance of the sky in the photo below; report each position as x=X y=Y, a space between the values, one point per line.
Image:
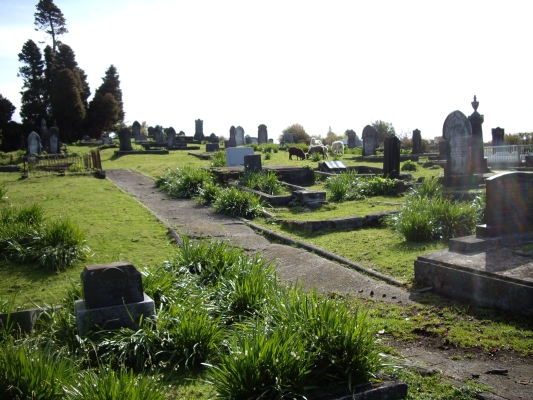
x=322 y=64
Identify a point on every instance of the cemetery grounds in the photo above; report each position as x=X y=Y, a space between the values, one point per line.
x=118 y=228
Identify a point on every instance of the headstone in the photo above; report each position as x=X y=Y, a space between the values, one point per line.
x=239 y=136
x=86 y=138
x=247 y=139
x=235 y=155
x=107 y=140
x=498 y=135
x=391 y=159
x=442 y=150
x=252 y=163
x=509 y=204
x=417 y=142
x=136 y=129
x=212 y=147
x=34 y=143
x=113 y=298
x=230 y=143
x=141 y=138
x=289 y=137
x=232 y=133
x=352 y=136
x=171 y=137
x=213 y=138
x=124 y=138
x=159 y=136
x=457 y=133
x=43 y=133
x=262 y=134
x=199 y=130
x=370 y=141
x=151 y=131
x=54 y=147
x=270 y=140
x=478 y=163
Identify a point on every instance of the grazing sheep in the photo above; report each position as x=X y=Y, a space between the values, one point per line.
x=317 y=149
x=316 y=142
x=337 y=147
x=296 y=151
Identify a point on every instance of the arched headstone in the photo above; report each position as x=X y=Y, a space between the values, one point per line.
x=262 y=134
x=457 y=133
x=239 y=136
x=417 y=142
x=370 y=141
x=124 y=138
x=34 y=143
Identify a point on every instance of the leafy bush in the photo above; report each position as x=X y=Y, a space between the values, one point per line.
x=76 y=168
x=263 y=182
x=376 y=186
x=238 y=203
x=349 y=186
x=409 y=166
x=208 y=193
x=183 y=182
x=315 y=157
x=268 y=156
x=218 y=159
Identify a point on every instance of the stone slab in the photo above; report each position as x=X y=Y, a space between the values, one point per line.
x=235 y=155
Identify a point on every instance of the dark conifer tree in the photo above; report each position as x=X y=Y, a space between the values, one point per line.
x=33 y=106
x=50 y=20
x=111 y=84
x=66 y=58
x=69 y=110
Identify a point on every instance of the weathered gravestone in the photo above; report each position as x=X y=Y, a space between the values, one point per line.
x=391 y=159
x=509 y=205
x=136 y=129
x=270 y=140
x=417 y=142
x=239 y=136
x=151 y=131
x=457 y=133
x=477 y=154
x=262 y=134
x=171 y=137
x=113 y=298
x=289 y=137
x=107 y=140
x=352 y=136
x=159 y=136
x=235 y=155
x=230 y=143
x=55 y=144
x=370 y=141
x=34 y=143
x=232 y=133
x=213 y=138
x=252 y=163
x=199 y=130
x=498 y=135
x=124 y=140
x=247 y=139
x=212 y=147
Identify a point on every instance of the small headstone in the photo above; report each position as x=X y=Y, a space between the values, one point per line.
x=270 y=140
x=352 y=136
x=125 y=140
x=370 y=141
x=159 y=136
x=498 y=135
x=252 y=163
x=213 y=138
x=34 y=143
x=417 y=142
x=141 y=138
x=235 y=155
x=247 y=139
x=136 y=129
x=199 y=130
x=509 y=204
x=171 y=137
x=457 y=133
x=262 y=134
x=391 y=159
x=232 y=133
x=230 y=143
x=151 y=131
x=289 y=137
x=212 y=147
x=54 y=147
x=239 y=136
x=107 y=140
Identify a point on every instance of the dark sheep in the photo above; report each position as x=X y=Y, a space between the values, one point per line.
x=296 y=151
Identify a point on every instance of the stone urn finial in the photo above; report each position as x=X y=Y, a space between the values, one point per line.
x=475 y=104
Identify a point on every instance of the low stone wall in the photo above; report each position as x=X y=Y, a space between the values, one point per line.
x=340 y=223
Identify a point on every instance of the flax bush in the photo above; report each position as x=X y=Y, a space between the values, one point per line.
x=218 y=159
x=238 y=203
x=266 y=182
x=409 y=166
x=183 y=182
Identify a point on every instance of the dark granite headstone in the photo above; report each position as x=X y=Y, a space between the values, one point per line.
x=391 y=159
x=478 y=164
x=34 y=143
x=198 y=130
x=213 y=138
x=136 y=129
x=289 y=137
x=252 y=163
x=352 y=136
x=107 y=140
x=370 y=141
x=171 y=137
x=159 y=136
x=247 y=139
x=270 y=140
x=498 y=135
x=417 y=142
x=54 y=147
x=230 y=143
x=239 y=136
x=125 y=140
x=212 y=147
x=509 y=205
x=262 y=134
x=151 y=131
x=232 y=133
x=457 y=133
x=111 y=284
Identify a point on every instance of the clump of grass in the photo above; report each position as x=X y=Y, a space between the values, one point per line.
x=218 y=159
x=263 y=182
x=315 y=157
x=183 y=182
x=208 y=193
x=349 y=186
x=409 y=166
x=3 y=192
x=238 y=203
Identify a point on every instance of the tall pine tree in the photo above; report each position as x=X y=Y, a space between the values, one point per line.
x=69 y=110
x=50 y=20
x=110 y=85
x=33 y=105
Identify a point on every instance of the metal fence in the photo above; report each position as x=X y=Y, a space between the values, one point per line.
x=61 y=164
x=507 y=156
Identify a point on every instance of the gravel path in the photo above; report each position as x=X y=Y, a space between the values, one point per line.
x=297 y=265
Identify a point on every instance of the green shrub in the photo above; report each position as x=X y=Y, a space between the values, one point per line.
x=341 y=187
x=238 y=203
x=376 y=186
x=208 y=193
x=266 y=182
x=315 y=157
x=268 y=156
x=218 y=159
x=409 y=166
x=76 y=168
x=183 y=182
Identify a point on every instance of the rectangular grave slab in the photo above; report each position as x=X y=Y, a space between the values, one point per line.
x=252 y=163
x=212 y=147
x=112 y=284
x=230 y=143
x=235 y=155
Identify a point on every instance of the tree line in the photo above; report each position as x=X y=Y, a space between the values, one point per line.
x=55 y=89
